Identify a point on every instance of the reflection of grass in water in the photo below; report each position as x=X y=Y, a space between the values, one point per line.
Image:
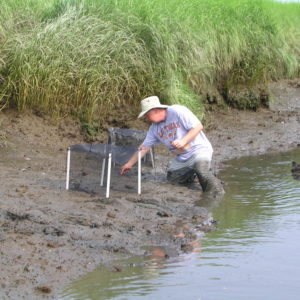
x=88 y=57
x=257 y=187
x=133 y=276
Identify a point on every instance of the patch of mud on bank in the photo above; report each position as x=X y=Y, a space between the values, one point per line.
x=236 y=133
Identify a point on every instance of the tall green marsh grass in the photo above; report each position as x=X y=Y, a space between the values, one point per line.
x=94 y=59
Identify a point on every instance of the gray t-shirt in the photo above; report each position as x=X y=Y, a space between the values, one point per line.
x=178 y=122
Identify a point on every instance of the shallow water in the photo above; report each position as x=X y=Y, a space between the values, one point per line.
x=253 y=254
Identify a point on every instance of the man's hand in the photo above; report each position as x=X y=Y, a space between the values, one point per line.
x=132 y=161
x=125 y=169
x=180 y=144
x=183 y=143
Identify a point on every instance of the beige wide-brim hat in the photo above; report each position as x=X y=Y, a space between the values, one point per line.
x=150 y=103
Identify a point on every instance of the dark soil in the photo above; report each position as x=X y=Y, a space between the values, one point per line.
x=50 y=236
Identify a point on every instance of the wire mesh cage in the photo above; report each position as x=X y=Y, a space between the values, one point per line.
x=94 y=168
x=130 y=137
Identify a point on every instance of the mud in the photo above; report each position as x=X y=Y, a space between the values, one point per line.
x=50 y=236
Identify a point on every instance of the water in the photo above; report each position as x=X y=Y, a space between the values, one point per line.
x=254 y=253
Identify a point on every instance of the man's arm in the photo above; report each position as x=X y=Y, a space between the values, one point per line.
x=181 y=143
x=132 y=161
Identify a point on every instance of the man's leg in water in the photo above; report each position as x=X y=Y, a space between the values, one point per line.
x=180 y=173
x=185 y=172
x=208 y=181
x=184 y=176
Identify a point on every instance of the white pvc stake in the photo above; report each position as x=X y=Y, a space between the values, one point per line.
x=68 y=168
x=139 y=172
x=108 y=176
x=102 y=171
x=152 y=158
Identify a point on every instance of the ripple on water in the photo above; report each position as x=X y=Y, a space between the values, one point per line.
x=253 y=254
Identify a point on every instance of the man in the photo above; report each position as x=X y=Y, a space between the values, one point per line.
x=182 y=133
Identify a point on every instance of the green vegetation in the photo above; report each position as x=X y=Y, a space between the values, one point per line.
x=93 y=59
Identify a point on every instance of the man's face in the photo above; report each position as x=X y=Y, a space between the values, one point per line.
x=156 y=115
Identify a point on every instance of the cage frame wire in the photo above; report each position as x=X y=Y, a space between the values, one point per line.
x=108 y=175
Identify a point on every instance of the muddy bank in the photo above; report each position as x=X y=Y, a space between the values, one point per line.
x=49 y=236
x=236 y=133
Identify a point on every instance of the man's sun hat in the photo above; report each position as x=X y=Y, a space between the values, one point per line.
x=150 y=103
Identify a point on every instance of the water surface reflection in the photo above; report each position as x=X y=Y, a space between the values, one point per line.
x=254 y=253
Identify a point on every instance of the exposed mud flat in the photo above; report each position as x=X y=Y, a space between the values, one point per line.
x=50 y=236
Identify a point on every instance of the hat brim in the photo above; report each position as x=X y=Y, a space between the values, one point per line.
x=143 y=113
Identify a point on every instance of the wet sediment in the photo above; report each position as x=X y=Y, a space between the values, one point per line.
x=50 y=236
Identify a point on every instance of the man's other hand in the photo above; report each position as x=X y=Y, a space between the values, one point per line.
x=125 y=169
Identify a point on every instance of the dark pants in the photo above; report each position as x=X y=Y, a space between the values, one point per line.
x=183 y=176
x=186 y=176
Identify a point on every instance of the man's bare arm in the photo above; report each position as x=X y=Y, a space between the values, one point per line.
x=182 y=143
x=132 y=161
